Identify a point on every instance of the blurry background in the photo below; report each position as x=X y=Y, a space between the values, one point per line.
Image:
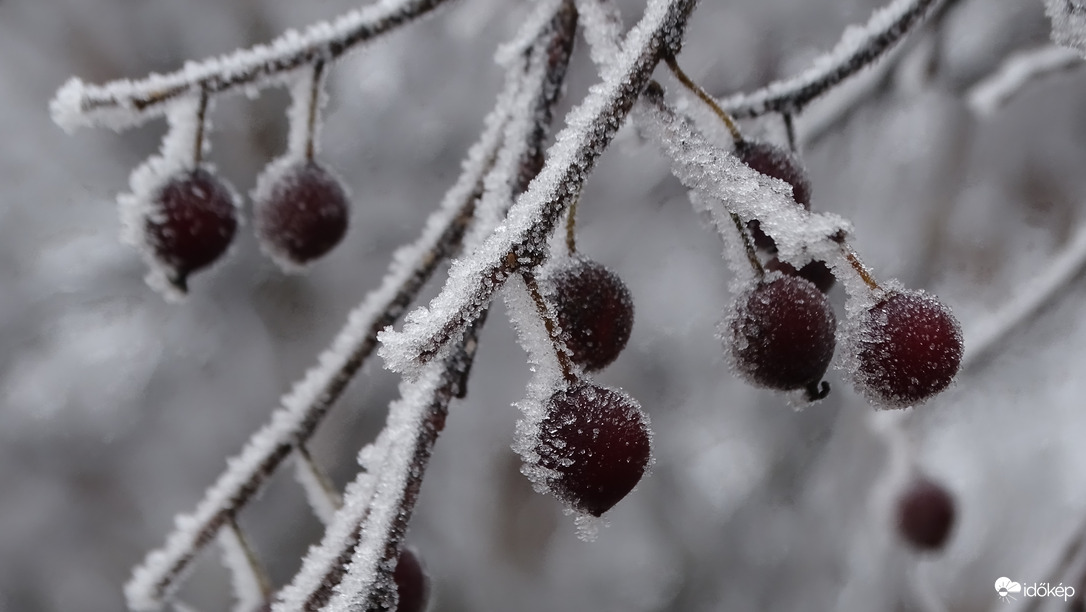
x=117 y=409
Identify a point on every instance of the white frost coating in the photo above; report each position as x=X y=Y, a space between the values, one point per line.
x=1016 y=72
x=468 y=277
x=322 y=500
x=527 y=34
x=800 y=235
x=1057 y=275
x=177 y=154
x=299 y=405
x=856 y=41
x=404 y=420
x=324 y=557
x=246 y=583
x=1068 y=23
x=735 y=252
x=602 y=26
x=71 y=108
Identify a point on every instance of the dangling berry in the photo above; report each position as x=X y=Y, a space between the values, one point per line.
x=594 y=443
x=192 y=220
x=909 y=347
x=302 y=214
x=925 y=515
x=815 y=271
x=412 y=582
x=595 y=311
x=782 y=335
x=779 y=163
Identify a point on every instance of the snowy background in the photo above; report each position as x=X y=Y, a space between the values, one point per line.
x=117 y=408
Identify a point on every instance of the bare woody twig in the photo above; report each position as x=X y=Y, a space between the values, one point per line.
x=123 y=104
x=523 y=238
x=859 y=47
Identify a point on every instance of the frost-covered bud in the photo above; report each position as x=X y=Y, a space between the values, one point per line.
x=191 y=221
x=781 y=334
x=594 y=445
x=300 y=212
x=908 y=347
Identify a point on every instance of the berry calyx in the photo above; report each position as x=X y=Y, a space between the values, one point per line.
x=192 y=220
x=908 y=348
x=815 y=271
x=594 y=444
x=412 y=582
x=782 y=335
x=594 y=310
x=926 y=515
x=302 y=214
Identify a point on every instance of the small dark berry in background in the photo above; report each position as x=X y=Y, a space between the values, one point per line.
x=597 y=444
x=815 y=271
x=595 y=311
x=925 y=515
x=191 y=223
x=302 y=215
x=412 y=582
x=782 y=333
x=909 y=348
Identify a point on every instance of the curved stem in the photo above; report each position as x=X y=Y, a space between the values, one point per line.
x=314 y=103
x=704 y=96
x=564 y=361
x=201 y=118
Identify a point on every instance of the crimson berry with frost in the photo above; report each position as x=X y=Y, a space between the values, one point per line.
x=412 y=582
x=303 y=214
x=779 y=163
x=191 y=222
x=595 y=444
x=594 y=309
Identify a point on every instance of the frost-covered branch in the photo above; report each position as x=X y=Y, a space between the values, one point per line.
x=390 y=481
x=124 y=103
x=1018 y=71
x=305 y=407
x=859 y=47
x=522 y=239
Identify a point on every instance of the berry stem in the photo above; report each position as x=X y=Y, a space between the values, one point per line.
x=790 y=130
x=705 y=97
x=571 y=223
x=327 y=488
x=552 y=327
x=201 y=118
x=261 y=576
x=314 y=102
x=860 y=268
x=752 y=255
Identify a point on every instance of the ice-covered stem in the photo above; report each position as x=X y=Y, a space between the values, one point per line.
x=541 y=74
x=322 y=494
x=551 y=325
x=748 y=245
x=858 y=47
x=306 y=406
x=704 y=96
x=1018 y=71
x=314 y=109
x=123 y=104
x=523 y=238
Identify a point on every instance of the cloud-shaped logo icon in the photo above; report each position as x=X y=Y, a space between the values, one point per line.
x=1005 y=587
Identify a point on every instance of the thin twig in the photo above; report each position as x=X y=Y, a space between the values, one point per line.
x=1017 y=71
x=551 y=326
x=314 y=110
x=123 y=104
x=322 y=494
x=201 y=121
x=886 y=27
x=704 y=96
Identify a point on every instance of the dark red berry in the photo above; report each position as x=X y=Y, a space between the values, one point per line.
x=815 y=271
x=779 y=163
x=594 y=442
x=412 y=583
x=303 y=214
x=925 y=515
x=595 y=311
x=192 y=220
x=909 y=347
x=782 y=334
